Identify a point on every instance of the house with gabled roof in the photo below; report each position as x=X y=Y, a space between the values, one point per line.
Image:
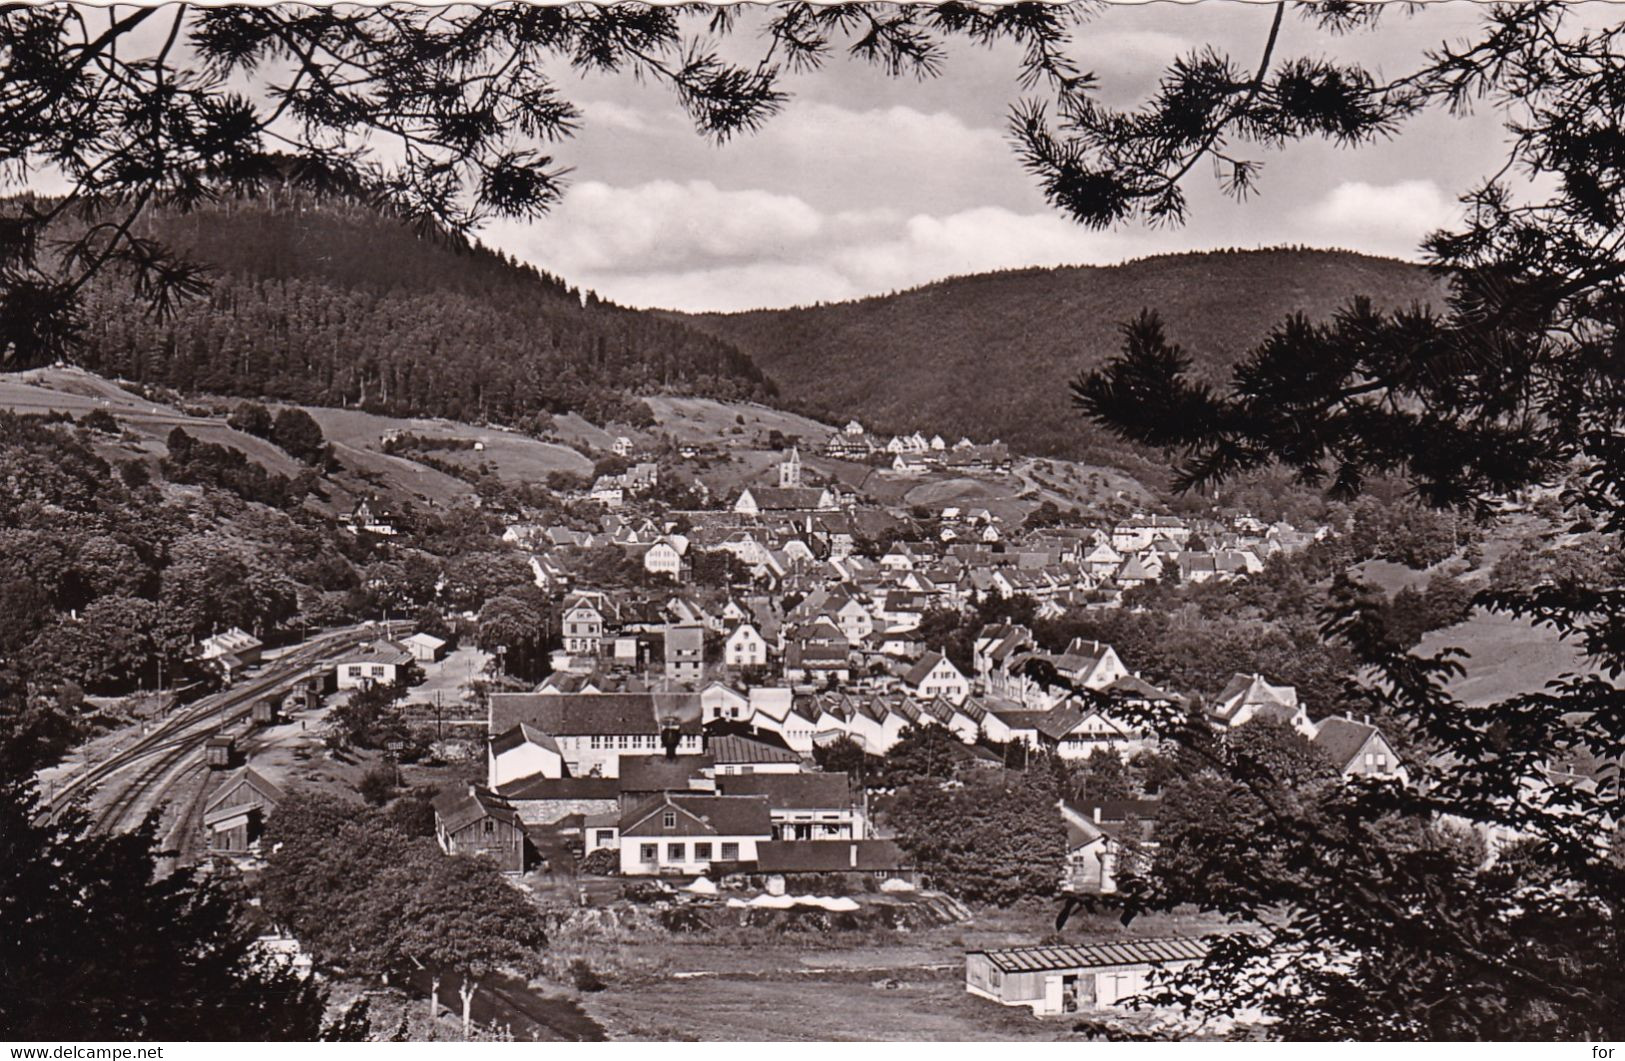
x=874 y=725
x=721 y=702
x=522 y=751
x=379 y=662
x=755 y=500
x=681 y=835
x=1139 y=571
x=235 y=814
x=1090 y=664
x=734 y=754
x=582 y=624
x=934 y=675
x=952 y=717
x=1249 y=696
x=593 y=731
x=802 y=806
x=1357 y=749
x=1077 y=728
x=1100 y=835
x=476 y=821
x=1102 y=561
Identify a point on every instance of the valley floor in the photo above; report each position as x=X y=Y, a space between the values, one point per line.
x=839 y=986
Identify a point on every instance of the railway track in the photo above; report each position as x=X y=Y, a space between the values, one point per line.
x=160 y=755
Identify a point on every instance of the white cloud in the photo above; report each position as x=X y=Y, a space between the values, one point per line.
x=1380 y=218
x=599 y=227
x=620 y=117
x=736 y=287
x=928 y=247
x=695 y=246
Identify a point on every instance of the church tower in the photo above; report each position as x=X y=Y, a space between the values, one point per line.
x=790 y=470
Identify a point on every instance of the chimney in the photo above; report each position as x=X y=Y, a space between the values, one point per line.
x=854 y=854
x=670 y=735
x=1097 y=814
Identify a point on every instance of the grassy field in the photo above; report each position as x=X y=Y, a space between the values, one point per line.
x=1505 y=656
x=1088 y=486
x=708 y=420
x=850 y=986
x=512 y=455
x=68 y=390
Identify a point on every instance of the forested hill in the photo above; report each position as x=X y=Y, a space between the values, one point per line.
x=334 y=304
x=991 y=355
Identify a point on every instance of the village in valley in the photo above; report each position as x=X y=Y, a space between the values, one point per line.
x=717 y=703
x=665 y=523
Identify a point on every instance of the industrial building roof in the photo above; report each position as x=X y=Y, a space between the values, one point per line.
x=1096 y=955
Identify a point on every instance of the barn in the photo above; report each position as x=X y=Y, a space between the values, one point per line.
x=235 y=814
x=1069 y=979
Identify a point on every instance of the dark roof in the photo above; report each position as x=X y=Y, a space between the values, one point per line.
x=810 y=791
x=923 y=667
x=786 y=498
x=546 y=788
x=375 y=652
x=459 y=808
x=255 y=780
x=1022 y=719
x=519 y=735
x=731 y=748
x=1342 y=738
x=1133 y=686
x=702 y=816
x=585 y=714
x=656 y=773
x=1096 y=955
x=830 y=856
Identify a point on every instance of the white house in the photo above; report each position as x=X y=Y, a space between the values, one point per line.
x=745 y=647
x=582 y=626
x=609 y=491
x=236 y=642
x=1358 y=749
x=593 y=731
x=425 y=648
x=664 y=558
x=933 y=676
x=373 y=663
x=1249 y=696
x=682 y=835
x=801 y=806
x=523 y=751
x=719 y=700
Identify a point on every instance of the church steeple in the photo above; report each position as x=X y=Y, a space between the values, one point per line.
x=790 y=469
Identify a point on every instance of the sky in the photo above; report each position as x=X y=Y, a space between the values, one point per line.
x=865 y=184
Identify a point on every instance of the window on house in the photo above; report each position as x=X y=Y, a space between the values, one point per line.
x=730 y=852
x=669 y=820
x=377 y=671
x=648 y=852
x=606 y=837
x=702 y=852
x=676 y=852
x=490 y=827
